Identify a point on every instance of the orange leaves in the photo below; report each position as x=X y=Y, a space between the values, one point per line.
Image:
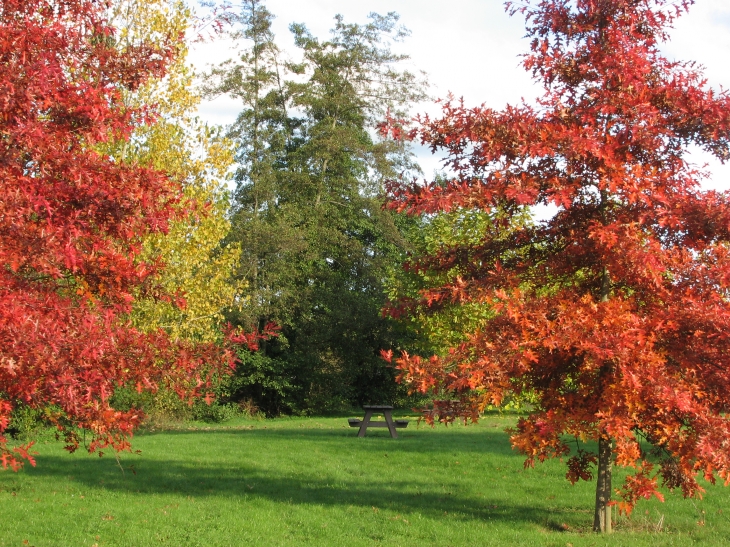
x=636 y=487
x=539 y=437
x=14 y=458
x=251 y=339
x=530 y=356
x=579 y=467
x=627 y=449
x=613 y=314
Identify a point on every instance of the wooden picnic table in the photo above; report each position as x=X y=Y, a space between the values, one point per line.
x=386 y=411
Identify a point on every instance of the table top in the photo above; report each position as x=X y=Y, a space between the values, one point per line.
x=377 y=407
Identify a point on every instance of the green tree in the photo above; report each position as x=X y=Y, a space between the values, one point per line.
x=438 y=327
x=316 y=243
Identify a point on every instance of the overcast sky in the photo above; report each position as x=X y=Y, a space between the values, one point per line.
x=471 y=48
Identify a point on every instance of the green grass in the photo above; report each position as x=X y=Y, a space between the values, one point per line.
x=311 y=481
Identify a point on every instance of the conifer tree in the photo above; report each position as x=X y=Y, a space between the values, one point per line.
x=307 y=213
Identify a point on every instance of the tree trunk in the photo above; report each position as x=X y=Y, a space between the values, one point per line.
x=602 y=518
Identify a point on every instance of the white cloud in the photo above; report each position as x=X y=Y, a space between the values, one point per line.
x=471 y=48
x=703 y=35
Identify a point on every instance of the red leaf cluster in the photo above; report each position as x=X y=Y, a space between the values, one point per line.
x=614 y=315
x=71 y=225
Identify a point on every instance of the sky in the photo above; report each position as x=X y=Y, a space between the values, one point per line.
x=471 y=48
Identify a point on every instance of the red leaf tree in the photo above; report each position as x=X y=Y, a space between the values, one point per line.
x=71 y=224
x=614 y=314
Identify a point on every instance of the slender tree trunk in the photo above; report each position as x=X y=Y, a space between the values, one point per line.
x=602 y=518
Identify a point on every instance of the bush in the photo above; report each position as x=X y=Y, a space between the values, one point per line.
x=215 y=412
x=262 y=382
x=163 y=406
x=26 y=422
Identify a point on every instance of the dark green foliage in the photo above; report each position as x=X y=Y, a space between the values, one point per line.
x=215 y=412
x=317 y=246
x=265 y=379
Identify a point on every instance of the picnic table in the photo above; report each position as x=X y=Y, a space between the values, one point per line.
x=386 y=411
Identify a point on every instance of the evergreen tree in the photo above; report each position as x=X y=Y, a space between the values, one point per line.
x=316 y=242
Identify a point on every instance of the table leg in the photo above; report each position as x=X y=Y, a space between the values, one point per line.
x=391 y=425
x=364 y=423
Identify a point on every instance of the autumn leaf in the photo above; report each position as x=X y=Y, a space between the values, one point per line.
x=611 y=317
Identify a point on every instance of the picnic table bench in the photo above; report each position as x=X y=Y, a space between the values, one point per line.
x=386 y=411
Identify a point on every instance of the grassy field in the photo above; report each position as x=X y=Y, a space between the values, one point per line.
x=311 y=481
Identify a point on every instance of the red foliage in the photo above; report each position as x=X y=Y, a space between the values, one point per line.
x=614 y=314
x=71 y=223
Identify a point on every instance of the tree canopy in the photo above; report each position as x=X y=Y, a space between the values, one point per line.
x=73 y=220
x=613 y=315
x=198 y=270
x=307 y=209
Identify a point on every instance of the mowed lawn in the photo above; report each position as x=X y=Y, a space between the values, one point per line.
x=311 y=481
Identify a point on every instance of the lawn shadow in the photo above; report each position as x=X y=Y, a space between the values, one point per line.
x=182 y=478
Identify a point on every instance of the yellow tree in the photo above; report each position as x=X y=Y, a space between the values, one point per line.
x=197 y=266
